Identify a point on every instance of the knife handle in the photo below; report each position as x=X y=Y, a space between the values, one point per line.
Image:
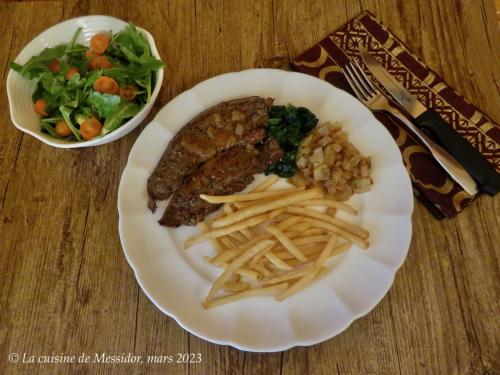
x=480 y=169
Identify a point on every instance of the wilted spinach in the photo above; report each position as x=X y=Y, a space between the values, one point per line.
x=288 y=125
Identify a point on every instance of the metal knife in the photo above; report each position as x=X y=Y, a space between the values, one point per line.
x=480 y=169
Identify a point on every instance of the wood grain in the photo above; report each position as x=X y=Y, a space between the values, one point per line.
x=65 y=286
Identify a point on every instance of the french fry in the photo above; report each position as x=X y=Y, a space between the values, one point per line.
x=283 y=216
x=277 y=262
x=288 y=222
x=310 y=239
x=235 y=286
x=250 y=222
x=297 y=263
x=328 y=203
x=300 y=227
x=233 y=252
x=327 y=251
x=266 y=184
x=247 y=272
x=322 y=273
x=215 y=242
x=331 y=211
x=269 y=290
x=302 y=283
x=237 y=263
x=228 y=242
x=360 y=232
x=262 y=187
x=287 y=243
x=263 y=270
x=292 y=235
x=284 y=254
x=295 y=274
x=263 y=208
x=340 y=232
x=292 y=249
x=248 y=196
x=225 y=256
x=311 y=248
x=238 y=237
x=275 y=213
x=246 y=232
x=244 y=271
x=313 y=232
x=339 y=249
x=242 y=205
x=227 y=209
x=281 y=226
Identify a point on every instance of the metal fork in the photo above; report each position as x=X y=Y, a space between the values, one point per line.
x=373 y=98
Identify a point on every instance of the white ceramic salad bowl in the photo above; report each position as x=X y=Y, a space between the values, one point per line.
x=19 y=89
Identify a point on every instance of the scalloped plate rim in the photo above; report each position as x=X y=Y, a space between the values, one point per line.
x=235 y=343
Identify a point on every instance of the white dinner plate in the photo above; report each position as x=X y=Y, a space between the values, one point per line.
x=177 y=280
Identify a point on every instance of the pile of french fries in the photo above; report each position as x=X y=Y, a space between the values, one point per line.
x=272 y=242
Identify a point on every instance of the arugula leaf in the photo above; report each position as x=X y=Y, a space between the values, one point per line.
x=66 y=113
x=146 y=83
x=79 y=61
x=131 y=39
x=53 y=120
x=112 y=108
x=16 y=67
x=51 y=83
x=125 y=110
x=48 y=128
x=73 y=39
x=103 y=104
x=39 y=64
x=76 y=82
x=91 y=80
x=38 y=92
x=149 y=65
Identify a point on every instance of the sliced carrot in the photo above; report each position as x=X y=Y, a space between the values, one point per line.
x=99 y=62
x=106 y=85
x=90 y=128
x=128 y=92
x=99 y=43
x=89 y=54
x=40 y=107
x=71 y=72
x=55 y=66
x=62 y=129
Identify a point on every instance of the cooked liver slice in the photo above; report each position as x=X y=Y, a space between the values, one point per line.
x=228 y=124
x=228 y=172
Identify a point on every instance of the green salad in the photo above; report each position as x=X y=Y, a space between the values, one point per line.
x=85 y=92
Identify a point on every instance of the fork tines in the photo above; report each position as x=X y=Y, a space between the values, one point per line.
x=359 y=82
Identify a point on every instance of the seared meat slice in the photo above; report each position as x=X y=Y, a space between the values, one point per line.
x=231 y=123
x=228 y=172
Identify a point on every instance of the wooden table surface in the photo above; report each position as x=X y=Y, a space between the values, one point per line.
x=66 y=288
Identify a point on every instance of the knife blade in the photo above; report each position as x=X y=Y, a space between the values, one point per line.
x=480 y=169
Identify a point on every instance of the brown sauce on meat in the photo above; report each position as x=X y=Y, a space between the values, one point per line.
x=228 y=124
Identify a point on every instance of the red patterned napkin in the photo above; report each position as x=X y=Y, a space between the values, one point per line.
x=431 y=184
